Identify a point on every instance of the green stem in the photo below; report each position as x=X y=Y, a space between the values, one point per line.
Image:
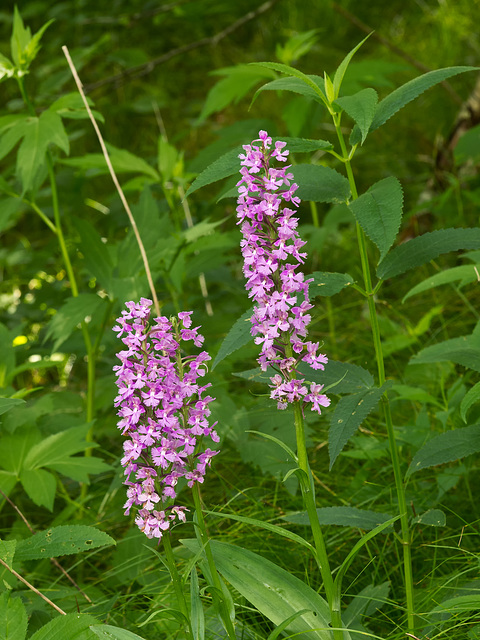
x=399 y=485
x=177 y=583
x=216 y=584
x=69 y=269
x=308 y=494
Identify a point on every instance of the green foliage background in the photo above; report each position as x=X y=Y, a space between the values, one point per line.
x=167 y=113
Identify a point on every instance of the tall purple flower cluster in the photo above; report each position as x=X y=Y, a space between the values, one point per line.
x=163 y=413
x=272 y=252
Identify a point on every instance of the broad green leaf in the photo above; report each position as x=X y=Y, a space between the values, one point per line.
x=122 y=161
x=320 y=184
x=73 y=626
x=296 y=46
x=107 y=632
x=61 y=541
x=432 y=517
x=343 y=66
x=447 y=447
x=426 y=247
x=350 y=377
x=71 y=106
x=73 y=312
x=40 y=486
x=8 y=403
x=361 y=108
x=464 y=350
x=238 y=336
x=234 y=85
x=295 y=86
x=272 y=590
x=295 y=73
x=80 y=467
x=40 y=133
x=285 y=624
x=471 y=398
x=96 y=255
x=16 y=447
x=328 y=284
x=12 y=132
x=13 y=617
x=464 y=274
x=349 y=414
x=280 y=531
x=341 y=516
x=379 y=212
x=414 y=394
x=7 y=551
x=58 y=447
x=197 y=617
x=8 y=480
x=411 y=90
x=229 y=163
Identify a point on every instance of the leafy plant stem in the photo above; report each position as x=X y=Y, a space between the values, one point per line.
x=217 y=592
x=68 y=267
x=308 y=494
x=313 y=209
x=177 y=583
x=399 y=484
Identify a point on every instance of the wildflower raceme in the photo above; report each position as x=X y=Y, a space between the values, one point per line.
x=163 y=413
x=272 y=252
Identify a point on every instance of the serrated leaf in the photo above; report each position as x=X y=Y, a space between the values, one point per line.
x=411 y=90
x=471 y=398
x=272 y=590
x=12 y=131
x=72 y=313
x=320 y=184
x=238 y=336
x=432 y=518
x=295 y=86
x=341 y=516
x=74 y=626
x=350 y=377
x=295 y=73
x=446 y=447
x=465 y=274
x=9 y=403
x=13 y=617
x=343 y=66
x=107 y=632
x=349 y=414
x=379 y=212
x=229 y=163
x=328 y=284
x=426 y=247
x=40 y=486
x=61 y=541
x=361 y=108
x=464 y=350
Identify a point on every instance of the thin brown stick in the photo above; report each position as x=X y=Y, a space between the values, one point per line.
x=30 y=586
x=147 y=67
x=399 y=52
x=115 y=179
x=52 y=560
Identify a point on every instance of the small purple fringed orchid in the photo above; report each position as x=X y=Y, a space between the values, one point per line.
x=163 y=413
x=272 y=252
